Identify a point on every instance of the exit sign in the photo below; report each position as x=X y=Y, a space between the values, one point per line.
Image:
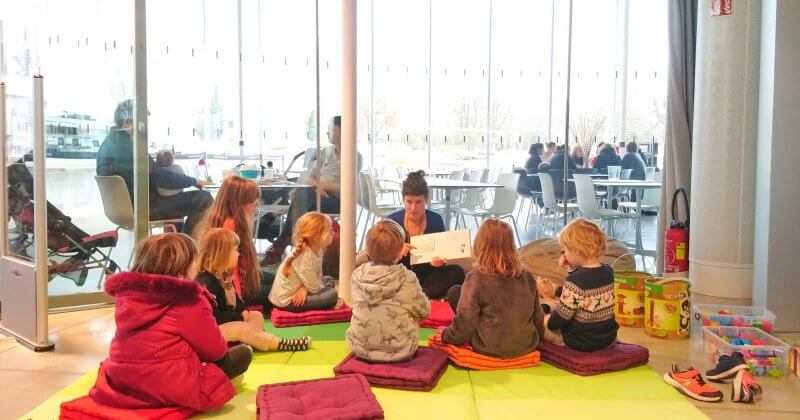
x=721 y=7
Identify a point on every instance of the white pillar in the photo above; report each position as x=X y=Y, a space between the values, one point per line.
x=348 y=198
x=777 y=179
x=724 y=151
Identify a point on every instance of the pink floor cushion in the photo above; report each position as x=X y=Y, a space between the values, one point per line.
x=340 y=397
x=620 y=356
x=84 y=408
x=281 y=318
x=441 y=315
x=421 y=373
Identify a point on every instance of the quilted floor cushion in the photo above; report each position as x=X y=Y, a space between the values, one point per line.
x=441 y=315
x=465 y=357
x=421 y=373
x=281 y=318
x=620 y=356
x=340 y=397
x=84 y=408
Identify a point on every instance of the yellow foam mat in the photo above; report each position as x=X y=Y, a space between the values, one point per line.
x=460 y=394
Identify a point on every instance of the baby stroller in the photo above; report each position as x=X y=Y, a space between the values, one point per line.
x=71 y=252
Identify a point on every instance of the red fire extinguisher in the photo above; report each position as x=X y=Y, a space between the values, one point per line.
x=676 y=239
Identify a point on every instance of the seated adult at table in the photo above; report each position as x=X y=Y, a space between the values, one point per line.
x=557 y=160
x=577 y=155
x=593 y=159
x=607 y=157
x=303 y=200
x=534 y=158
x=438 y=276
x=115 y=157
x=633 y=160
x=549 y=150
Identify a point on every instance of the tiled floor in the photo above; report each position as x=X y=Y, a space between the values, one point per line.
x=81 y=339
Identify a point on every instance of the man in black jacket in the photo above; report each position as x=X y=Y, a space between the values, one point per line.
x=115 y=157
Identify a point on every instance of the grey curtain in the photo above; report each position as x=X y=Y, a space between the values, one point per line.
x=680 y=112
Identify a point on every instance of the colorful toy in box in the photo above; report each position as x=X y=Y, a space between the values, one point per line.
x=764 y=354
x=733 y=316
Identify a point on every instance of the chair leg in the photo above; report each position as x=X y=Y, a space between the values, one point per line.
x=514 y=225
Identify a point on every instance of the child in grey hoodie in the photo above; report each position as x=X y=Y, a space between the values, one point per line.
x=388 y=302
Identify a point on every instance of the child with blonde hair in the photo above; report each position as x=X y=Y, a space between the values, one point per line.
x=497 y=308
x=584 y=316
x=234 y=208
x=388 y=301
x=299 y=284
x=219 y=256
x=167 y=350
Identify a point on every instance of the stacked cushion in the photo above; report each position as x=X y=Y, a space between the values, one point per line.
x=620 y=356
x=282 y=318
x=421 y=373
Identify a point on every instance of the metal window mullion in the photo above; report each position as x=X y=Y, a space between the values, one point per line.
x=141 y=159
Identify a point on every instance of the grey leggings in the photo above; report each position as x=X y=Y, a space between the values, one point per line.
x=324 y=298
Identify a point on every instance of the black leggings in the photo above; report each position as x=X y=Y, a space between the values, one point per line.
x=435 y=281
x=453 y=295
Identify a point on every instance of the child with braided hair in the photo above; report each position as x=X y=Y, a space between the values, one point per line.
x=299 y=284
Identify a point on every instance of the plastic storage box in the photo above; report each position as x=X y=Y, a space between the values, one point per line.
x=765 y=354
x=732 y=316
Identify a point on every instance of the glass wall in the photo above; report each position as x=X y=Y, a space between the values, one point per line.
x=83 y=51
x=520 y=78
x=442 y=84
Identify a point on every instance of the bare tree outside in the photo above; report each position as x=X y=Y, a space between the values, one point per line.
x=585 y=128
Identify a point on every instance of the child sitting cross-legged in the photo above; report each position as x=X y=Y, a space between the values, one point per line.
x=584 y=316
x=299 y=284
x=167 y=350
x=219 y=256
x=388 y=302
x=497 y=309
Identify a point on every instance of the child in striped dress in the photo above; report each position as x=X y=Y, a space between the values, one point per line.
x=299 y=284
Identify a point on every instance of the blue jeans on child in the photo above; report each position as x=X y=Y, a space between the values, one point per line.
x=324 y=298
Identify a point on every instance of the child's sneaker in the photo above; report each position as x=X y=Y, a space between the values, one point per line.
x=727 y=367
x=294 y=344
x=691 y=383
x=745 y=388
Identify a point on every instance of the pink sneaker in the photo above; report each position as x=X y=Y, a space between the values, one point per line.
x=745 y=388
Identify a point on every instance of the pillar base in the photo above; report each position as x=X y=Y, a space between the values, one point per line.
x=734 y=281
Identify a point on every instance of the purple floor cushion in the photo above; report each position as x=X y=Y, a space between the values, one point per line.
x=340 y=397
x=620 y=356
x=421 y=373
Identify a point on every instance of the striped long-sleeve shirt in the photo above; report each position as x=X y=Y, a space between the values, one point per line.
x=585 y=311
x=306 y=270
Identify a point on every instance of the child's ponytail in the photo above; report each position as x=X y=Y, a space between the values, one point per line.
x=311 y=229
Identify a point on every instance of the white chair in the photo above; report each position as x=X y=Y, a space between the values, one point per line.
x=503 y=205
x=280 y=209
x=471 y=200
x=651 y=199
x=552 y=207
x=119 y=209
x=584 y=187
x=374 y=210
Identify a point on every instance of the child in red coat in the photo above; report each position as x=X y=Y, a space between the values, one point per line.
x=167 y=350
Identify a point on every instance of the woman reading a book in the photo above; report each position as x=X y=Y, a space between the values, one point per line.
x=437 y=276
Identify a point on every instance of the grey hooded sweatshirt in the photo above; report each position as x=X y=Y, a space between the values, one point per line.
x=388 y=305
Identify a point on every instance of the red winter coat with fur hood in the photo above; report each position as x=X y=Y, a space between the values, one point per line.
x=163 y=352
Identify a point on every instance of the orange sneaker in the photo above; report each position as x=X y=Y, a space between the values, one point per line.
x=745 y=388
x=691 y=383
